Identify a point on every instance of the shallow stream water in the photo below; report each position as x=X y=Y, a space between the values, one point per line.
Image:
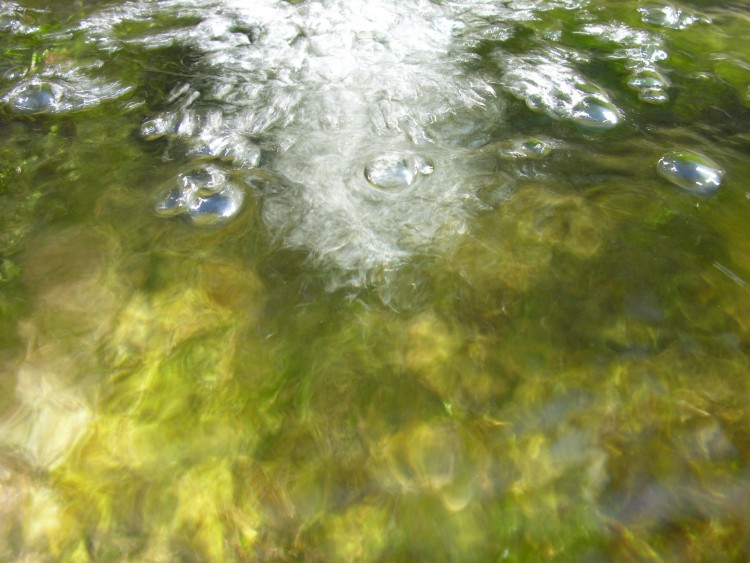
x=448 y=280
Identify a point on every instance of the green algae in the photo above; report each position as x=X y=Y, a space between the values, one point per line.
x=568 y=382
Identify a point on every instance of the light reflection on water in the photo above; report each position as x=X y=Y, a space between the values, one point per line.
x=435 y=298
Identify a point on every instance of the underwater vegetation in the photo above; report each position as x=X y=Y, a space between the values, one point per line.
x=331 y=280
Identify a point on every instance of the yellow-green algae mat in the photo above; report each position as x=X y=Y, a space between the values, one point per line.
x=206 y=425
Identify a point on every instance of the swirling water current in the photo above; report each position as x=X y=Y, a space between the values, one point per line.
x=327 y=280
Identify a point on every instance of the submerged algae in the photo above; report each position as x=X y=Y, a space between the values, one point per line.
x=565 y=380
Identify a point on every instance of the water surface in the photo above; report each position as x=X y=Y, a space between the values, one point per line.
x=320 y=280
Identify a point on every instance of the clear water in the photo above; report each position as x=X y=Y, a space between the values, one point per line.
x=335 y=280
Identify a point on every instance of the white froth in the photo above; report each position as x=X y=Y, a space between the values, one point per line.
x=320 y=95
x=327 y=89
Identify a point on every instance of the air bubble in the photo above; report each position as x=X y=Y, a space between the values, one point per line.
x=691 y=171
x=187 y=125
x=648 y=78
x=209 y=150
x=536 y=148
x=668 y=16
x=58 y=91
x=35 y=97
x=394 y=170
x=206 y=195
x=243 y=153
x=527 y=149
x=156 y=128
x=171 y=205
x=653 y=96
x=651 y=85
x=595 y=113
x=217 y=208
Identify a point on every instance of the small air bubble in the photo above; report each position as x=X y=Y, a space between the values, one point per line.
x=648 y=78
x=203 y=180
x=527 y=149
x=653 y=96
x=536 y=148
x=171 y=205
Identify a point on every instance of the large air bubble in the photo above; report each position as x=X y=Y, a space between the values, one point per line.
x=691 y=171
x=35 y=96
x=397 y=170
x=60 y=89
x=206 y=195
x=596 y=112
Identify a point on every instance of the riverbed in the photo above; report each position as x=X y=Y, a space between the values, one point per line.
x=449 y=280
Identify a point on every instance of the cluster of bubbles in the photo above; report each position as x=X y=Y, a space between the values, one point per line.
x=59 y=90
x=354 y=125
x=201 y=136
x=208 y=191
x=667 y=16
x=51 y=82
x=640 y=51
x=360 y=128
x=205 y=194
x=548 y=83
x=362 y=124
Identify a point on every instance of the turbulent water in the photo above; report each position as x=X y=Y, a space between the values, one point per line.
x=448 y=280
x=296 y=101
x=317 y=94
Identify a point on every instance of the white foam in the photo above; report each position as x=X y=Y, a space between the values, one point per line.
x=325 y=89
x=548 y=82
